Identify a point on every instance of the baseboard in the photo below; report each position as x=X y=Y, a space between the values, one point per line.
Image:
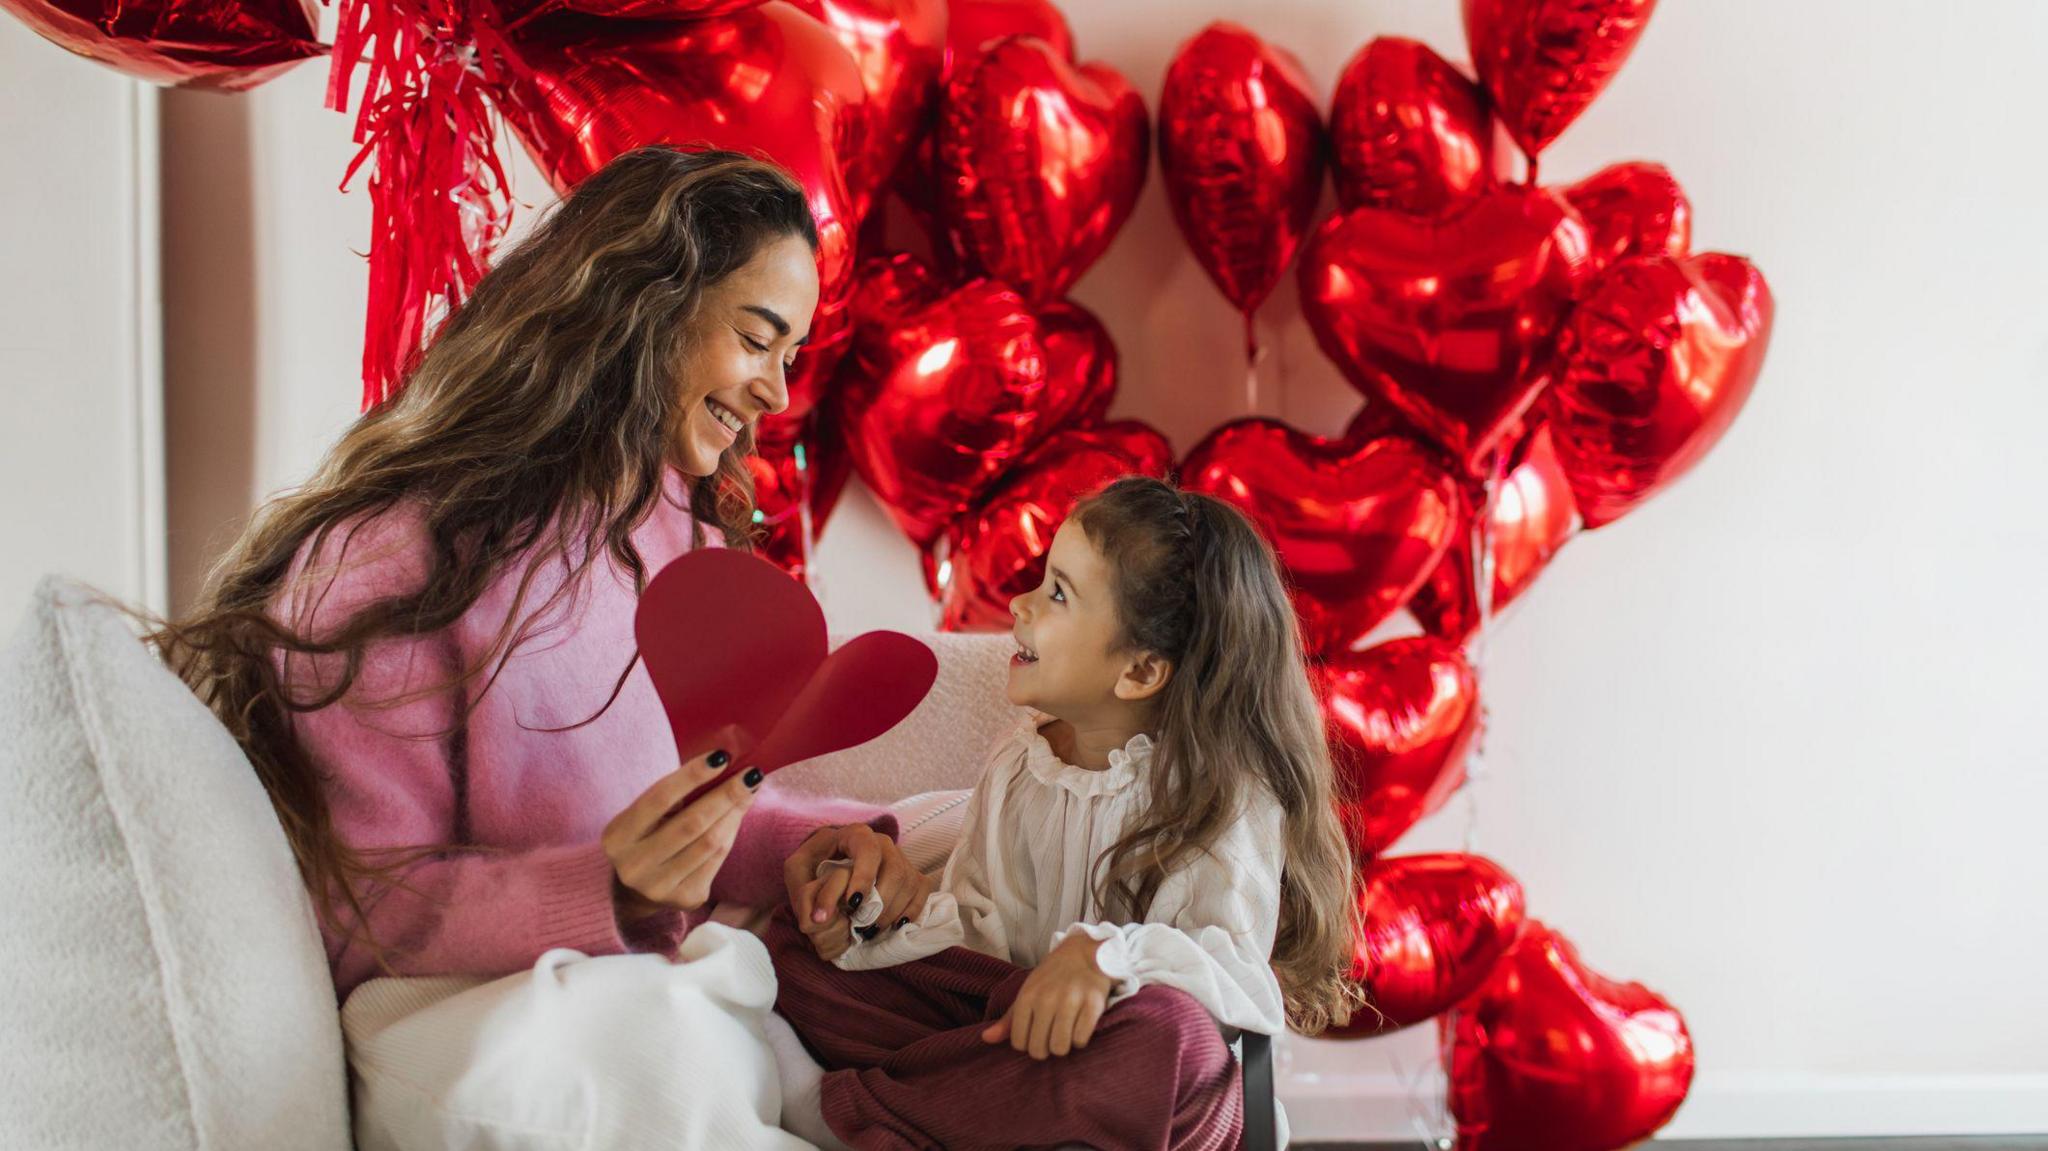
x=1350 y=1108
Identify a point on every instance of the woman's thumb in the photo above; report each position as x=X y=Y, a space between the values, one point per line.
x=998 y=1031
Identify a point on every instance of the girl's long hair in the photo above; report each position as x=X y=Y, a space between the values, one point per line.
x=1196 y=584
x=541 y=420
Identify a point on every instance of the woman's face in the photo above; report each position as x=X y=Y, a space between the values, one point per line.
x=748 y=332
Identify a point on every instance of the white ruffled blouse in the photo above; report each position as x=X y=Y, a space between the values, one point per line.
x=1019 y=881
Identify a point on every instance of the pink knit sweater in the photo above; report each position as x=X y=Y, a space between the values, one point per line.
x=524 y=806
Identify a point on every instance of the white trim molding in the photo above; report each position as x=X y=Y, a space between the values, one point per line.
x=1746 y=1104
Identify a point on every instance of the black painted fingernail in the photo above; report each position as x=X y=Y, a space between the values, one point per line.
x=853 y=901
x=753 y=777
x=868 y=932
x=902 y=921
x=718 y=759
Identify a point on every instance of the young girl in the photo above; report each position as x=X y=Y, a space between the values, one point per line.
x=1152 y=854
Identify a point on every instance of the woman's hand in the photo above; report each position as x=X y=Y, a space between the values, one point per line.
x=666 y=858
x=1060 y=1003
x=821 y=904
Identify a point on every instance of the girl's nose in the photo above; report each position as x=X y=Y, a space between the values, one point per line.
x=1017 y=607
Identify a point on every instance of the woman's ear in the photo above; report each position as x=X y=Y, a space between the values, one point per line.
x=1144 y=677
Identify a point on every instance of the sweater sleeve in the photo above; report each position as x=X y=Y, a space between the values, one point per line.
x=1210 y=930
x=389 y=753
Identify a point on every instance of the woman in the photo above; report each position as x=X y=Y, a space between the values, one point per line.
x=427 y=649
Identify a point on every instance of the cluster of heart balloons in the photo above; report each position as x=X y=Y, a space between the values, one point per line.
x=1535 y=360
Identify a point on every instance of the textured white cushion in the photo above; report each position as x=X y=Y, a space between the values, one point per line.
x=166 y=985
x=942 y=745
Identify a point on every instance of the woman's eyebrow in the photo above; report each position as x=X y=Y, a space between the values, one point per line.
x=775 y=318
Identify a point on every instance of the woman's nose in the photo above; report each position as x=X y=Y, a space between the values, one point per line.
x=773 y=394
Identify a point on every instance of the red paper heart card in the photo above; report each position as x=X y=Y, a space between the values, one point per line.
x=738 y=653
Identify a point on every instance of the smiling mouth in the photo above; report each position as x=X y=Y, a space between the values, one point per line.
x=1024 y=655
x=726 y=417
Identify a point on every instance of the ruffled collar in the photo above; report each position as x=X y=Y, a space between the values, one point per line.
x=1125 y=763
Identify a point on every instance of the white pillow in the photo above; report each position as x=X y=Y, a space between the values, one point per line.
x=166 y=985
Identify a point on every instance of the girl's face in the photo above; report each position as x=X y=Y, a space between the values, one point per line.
x=1065 y=629
x=749 y=329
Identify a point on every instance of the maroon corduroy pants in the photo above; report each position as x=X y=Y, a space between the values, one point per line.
x=906 y=1066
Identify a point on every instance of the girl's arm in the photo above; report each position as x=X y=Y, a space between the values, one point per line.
x=1210 y=929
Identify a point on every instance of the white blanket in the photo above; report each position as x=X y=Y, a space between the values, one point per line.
x=619 y=1052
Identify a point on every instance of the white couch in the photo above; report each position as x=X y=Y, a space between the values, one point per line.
x=166 y=987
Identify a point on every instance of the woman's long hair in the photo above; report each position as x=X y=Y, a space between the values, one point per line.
x=543 y=419
x=1196 y=584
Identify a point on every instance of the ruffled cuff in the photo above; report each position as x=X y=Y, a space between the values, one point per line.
x=934 y=930
x=1112 y=956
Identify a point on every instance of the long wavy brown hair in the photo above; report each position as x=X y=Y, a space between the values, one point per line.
x=541 y=421
x=1196 y=584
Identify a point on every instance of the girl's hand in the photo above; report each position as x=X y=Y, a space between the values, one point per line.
x=1060 y=1003
x=821 y=904
x=665 y=858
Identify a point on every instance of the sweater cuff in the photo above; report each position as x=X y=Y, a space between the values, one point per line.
x=576 y=908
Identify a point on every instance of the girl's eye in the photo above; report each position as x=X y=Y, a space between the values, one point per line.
x=1058 y=596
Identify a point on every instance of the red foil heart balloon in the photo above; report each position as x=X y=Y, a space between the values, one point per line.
x=1080 y=359
x=818 y=363
x=1435 y=927
x=1533 y=518
x=518 y=13
x=972 y=26
x=1402 y=716
x=1410 y=132
x=1545 y=60
x=1632 y=209
x=799 y=467
x=1452 y=319
x=997 y=551
x=226 y=45
x=976 y=24
x=1241 y=151
x=768 y=79
x=191 y=44
x=1039 y=164
x=1660 y=356
x=947 y=389
x=900 y=48
x=1358 y=525
x=1551 y=1056
x=1080 y=365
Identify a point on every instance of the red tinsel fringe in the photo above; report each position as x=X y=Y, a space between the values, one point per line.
x=439 y=202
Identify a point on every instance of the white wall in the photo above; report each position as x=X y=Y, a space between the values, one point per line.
x=81 y=466
x=1767 y=745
